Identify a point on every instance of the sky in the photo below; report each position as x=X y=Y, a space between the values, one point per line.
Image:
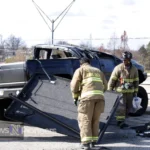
x=93 y=21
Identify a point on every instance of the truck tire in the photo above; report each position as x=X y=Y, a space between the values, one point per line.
x=4 y=103
x=1 y=112
x=143 y=95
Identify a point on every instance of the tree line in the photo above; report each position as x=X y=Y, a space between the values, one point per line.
x=142 y=55
x=11 y=43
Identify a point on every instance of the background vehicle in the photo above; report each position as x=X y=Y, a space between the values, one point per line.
x=60 y=60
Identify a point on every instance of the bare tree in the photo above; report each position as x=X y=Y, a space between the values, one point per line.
x=85 y=44
x=112 y=44
x=1 y=42
x=62 y=43
x=2 y=53
x=14 y=43
x=101 y=48
x=148 y=54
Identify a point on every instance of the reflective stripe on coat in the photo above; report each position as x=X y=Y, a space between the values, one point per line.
x=88 y=83
x=121 y=74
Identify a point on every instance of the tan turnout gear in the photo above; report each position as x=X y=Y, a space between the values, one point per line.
x=124 y=107
x=88 y=117
x=124 y=80
x=88 y=85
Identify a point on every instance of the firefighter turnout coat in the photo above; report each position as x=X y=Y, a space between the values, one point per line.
x=124 y=80
x=88 y=83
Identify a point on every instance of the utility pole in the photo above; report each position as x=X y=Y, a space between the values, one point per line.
x=53 y=31
x=63 y=13
x=124 y=41
x=90 y=40
x=0 y=39
x=114 y=42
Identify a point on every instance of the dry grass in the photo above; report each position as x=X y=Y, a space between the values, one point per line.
x=17 y=58
x=148 y=71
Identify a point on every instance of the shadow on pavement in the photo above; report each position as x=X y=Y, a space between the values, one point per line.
x=119 y=137
x=42 y=139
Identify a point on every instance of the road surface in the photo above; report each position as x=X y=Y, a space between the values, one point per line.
x=114 y=138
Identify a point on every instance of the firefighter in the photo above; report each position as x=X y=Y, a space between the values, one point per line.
x=88 y=86
x=124 y=79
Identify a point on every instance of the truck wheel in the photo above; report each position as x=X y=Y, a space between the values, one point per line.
x=143 y=95
x=1 y=113
x=4 y=103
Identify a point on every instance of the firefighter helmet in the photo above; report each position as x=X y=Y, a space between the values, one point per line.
x=127 y=55
x=84 y=60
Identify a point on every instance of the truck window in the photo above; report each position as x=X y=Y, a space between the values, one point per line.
x=56 y=54
x=68 y=54
x=43 y=54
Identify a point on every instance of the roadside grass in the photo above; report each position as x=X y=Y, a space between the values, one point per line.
x=148 y=71
x=18 y=58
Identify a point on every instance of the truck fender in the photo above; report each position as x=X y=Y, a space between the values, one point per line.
x=144 y=96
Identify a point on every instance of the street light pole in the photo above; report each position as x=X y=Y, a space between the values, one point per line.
x=0 y=39
x=63 y=13
x=52 y=31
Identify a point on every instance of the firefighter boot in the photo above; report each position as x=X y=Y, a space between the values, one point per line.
x=85 y=146
x=92 y=144
x=122 y=124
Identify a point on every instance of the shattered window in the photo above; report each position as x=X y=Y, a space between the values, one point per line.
x=58 y=54
x=43 y=54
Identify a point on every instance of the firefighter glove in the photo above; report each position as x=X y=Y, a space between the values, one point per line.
x=135 y=94
x=75 y=101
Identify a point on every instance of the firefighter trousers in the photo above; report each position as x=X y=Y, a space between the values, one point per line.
x=89 y=112
x=125 y=107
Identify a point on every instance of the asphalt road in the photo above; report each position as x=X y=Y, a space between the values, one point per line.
x=39 y=139
x=114 y=138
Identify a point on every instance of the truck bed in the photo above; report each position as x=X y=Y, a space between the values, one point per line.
x=50 y=106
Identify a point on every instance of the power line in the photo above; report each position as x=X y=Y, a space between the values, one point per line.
x=93 y=39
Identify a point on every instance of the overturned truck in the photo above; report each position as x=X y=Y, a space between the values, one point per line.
x=61 y=61
x=39 y=88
